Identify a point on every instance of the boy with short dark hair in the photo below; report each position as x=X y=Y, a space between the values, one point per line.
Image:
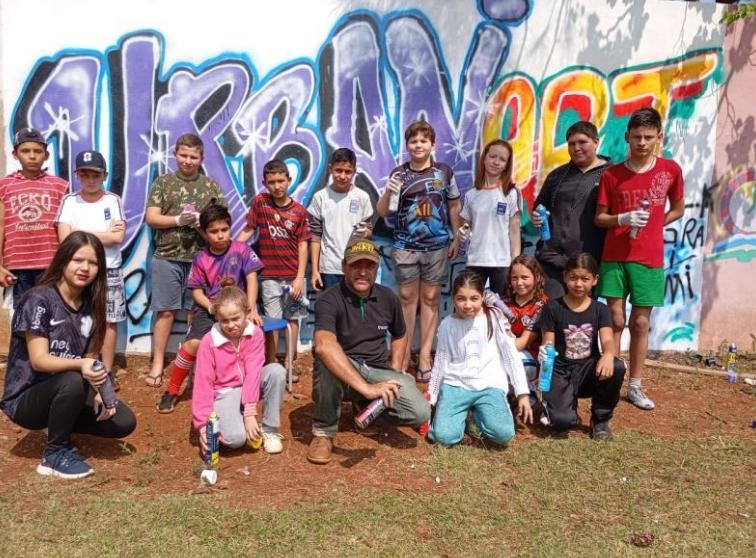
x=283 y=236
x=29 y=202
x=173 y=212
x=334 y=212
x=222 y=262
x=428 y=202
x=96 y=210
x=569 y=195
x=631 y=204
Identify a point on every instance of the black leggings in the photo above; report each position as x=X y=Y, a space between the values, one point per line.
x=59 y=404
x=579 y=379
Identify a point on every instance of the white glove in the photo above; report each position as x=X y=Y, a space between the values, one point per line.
x=394 y=185
x=637 y=218
x=187 y=219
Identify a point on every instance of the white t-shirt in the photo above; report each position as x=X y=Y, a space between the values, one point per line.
x=94 y=217
x=338 y=213
x=474 y=361
x=489 y=212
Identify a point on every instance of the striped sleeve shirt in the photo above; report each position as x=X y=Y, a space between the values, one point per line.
x=281 y=231
x=31 y=206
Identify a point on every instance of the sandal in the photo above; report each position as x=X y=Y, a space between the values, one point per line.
x=422 y=376
x=167 y=403
x=154 y=381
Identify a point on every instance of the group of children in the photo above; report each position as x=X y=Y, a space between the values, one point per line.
x=483 y=348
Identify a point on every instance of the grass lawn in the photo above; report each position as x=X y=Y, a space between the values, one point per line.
x=548 y=497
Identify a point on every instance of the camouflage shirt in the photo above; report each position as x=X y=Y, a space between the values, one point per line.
x=171 y=192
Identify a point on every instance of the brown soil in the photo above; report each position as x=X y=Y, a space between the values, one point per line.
x=161 y=456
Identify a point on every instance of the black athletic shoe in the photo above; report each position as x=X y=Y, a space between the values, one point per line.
x=602 y=432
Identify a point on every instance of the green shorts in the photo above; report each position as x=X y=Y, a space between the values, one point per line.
x=644 y=284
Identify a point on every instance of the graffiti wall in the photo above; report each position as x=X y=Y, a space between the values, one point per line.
x=296 y=79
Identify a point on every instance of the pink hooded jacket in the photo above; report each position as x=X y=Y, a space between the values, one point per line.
x=222 y=365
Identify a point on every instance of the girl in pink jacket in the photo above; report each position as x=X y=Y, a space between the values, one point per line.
x=230 y=377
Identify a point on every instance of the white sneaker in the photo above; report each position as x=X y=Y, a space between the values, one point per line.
x=637 y=397
x=272 y=442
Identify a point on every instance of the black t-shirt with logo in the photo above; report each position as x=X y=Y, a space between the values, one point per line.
x=42 y=311
x=576 y=334
x=361 y=324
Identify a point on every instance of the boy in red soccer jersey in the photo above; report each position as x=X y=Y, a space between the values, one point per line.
x=631 y=203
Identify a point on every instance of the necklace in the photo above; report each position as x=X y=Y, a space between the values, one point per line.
x=640 y=170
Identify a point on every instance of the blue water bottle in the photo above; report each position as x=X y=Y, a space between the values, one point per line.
x=545 y=229
x=547 y=369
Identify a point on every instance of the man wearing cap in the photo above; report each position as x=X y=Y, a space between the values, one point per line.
x=352 y=359
x=96 y=210
x=29 y=202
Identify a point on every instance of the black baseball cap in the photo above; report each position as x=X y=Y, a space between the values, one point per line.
x=91 y=160
x=28 y=134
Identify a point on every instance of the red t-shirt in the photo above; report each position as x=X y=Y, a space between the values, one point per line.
x=281 y=231
x=31 y=206
x=622 y=190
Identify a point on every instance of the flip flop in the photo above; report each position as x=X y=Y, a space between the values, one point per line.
x=154 y=381
x=422 y=376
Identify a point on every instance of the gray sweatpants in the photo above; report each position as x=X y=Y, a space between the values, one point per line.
x=228 y=407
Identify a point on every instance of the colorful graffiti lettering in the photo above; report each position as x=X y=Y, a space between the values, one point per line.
x=374 y=74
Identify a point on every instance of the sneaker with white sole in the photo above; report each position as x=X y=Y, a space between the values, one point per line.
x=638 y=397
x=272 y=442
x=64 y=463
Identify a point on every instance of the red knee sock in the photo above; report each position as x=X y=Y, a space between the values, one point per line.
x=179 y=370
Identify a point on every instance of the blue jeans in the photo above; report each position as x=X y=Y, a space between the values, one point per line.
x=331 y=279
x=25 y=280
x=409 y=408
x=490 y=411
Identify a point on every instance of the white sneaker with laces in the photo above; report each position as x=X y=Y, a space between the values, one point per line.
x=272 y=442
x=639 y=398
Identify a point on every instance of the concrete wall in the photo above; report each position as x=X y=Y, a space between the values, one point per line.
x=728 y=311
x=296 y=79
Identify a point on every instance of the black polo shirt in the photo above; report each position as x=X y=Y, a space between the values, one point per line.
x=570 y=195
x=361 y=324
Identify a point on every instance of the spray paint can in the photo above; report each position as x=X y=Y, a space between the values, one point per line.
x=463 y=233
x=545 y=228
x=732 y=356
x=105 y=389
x=295 y=308
x=370 y=413
x=212 y=455
x=644 y=205
x=359 y=231
x=732 y=374
x=394 y=198
x=547 y=369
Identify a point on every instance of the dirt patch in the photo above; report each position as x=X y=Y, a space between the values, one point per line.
x=161 y=456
